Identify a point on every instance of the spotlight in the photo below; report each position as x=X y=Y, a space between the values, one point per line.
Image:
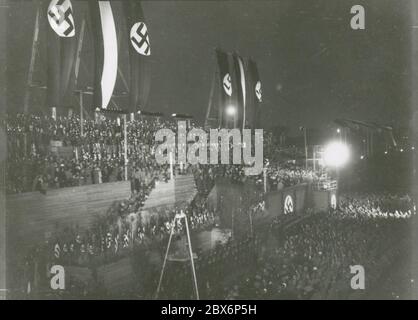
x=336 y=154
x=230 y=110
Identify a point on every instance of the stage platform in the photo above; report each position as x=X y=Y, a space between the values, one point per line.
x=31 y=215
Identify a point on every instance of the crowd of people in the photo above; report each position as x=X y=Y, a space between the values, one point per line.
x=117 y=234
x=307 y=256
x=313 y=259
x=97 y=154
x=308 y=259
x=376 y=205
x=280 y=176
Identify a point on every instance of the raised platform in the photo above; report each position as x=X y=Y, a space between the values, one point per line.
x=228 y=199
x=30 y=215
x=298 y=198
x=288 y=200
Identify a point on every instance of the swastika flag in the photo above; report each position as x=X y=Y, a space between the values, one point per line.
x=60 y=17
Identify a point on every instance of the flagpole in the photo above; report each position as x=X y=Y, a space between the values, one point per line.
x=79 y=48
x=81 y=114
x=35 y=44
x=232 y=224
x=251 y=224
x=125 y=146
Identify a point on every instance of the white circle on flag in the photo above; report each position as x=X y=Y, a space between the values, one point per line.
x=140 y=38
x=60 y=18
x=333 y=201
x=227 y=84
x=288 y=204
x=258 y=91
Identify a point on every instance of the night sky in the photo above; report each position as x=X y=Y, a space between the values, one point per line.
x=314 y=67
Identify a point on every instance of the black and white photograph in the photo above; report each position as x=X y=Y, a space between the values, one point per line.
x=208 y=150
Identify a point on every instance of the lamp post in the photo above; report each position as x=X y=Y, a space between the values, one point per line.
x=306 y=146
x=80 y=92
x=336 y=155
x=125 y=146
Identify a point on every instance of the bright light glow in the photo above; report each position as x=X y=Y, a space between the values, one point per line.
x=413 y=148
x=336 y=154
x=401 y=150
x=386 y=152
x=230 y=110
x=338 y=130
x=361 y=157
x=174 y=114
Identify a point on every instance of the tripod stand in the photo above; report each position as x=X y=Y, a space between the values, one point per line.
x=178 y=217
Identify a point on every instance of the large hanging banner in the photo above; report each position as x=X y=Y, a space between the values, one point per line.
x=61 y=44
x=106 y=52
x=139 y=52
x=226 y=85
x=241 y=89
x=53 y=81
x=255 y=92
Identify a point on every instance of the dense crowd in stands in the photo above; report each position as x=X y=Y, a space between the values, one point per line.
x=314 y=258
x=303 y=258
x=97 y=156
x=376 y=205
x=306 y=256
x=280 y=176
x=300 y=257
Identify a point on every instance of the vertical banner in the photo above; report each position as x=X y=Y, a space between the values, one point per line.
x=255 y=93
x=226 y=86
x=139 y=55
x=106 y=52
x=61 y=45
x=240 y=89
x=53 y=70
x=233 y=110
x=68 y=53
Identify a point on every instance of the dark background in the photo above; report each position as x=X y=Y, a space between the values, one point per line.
x=314 y=67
